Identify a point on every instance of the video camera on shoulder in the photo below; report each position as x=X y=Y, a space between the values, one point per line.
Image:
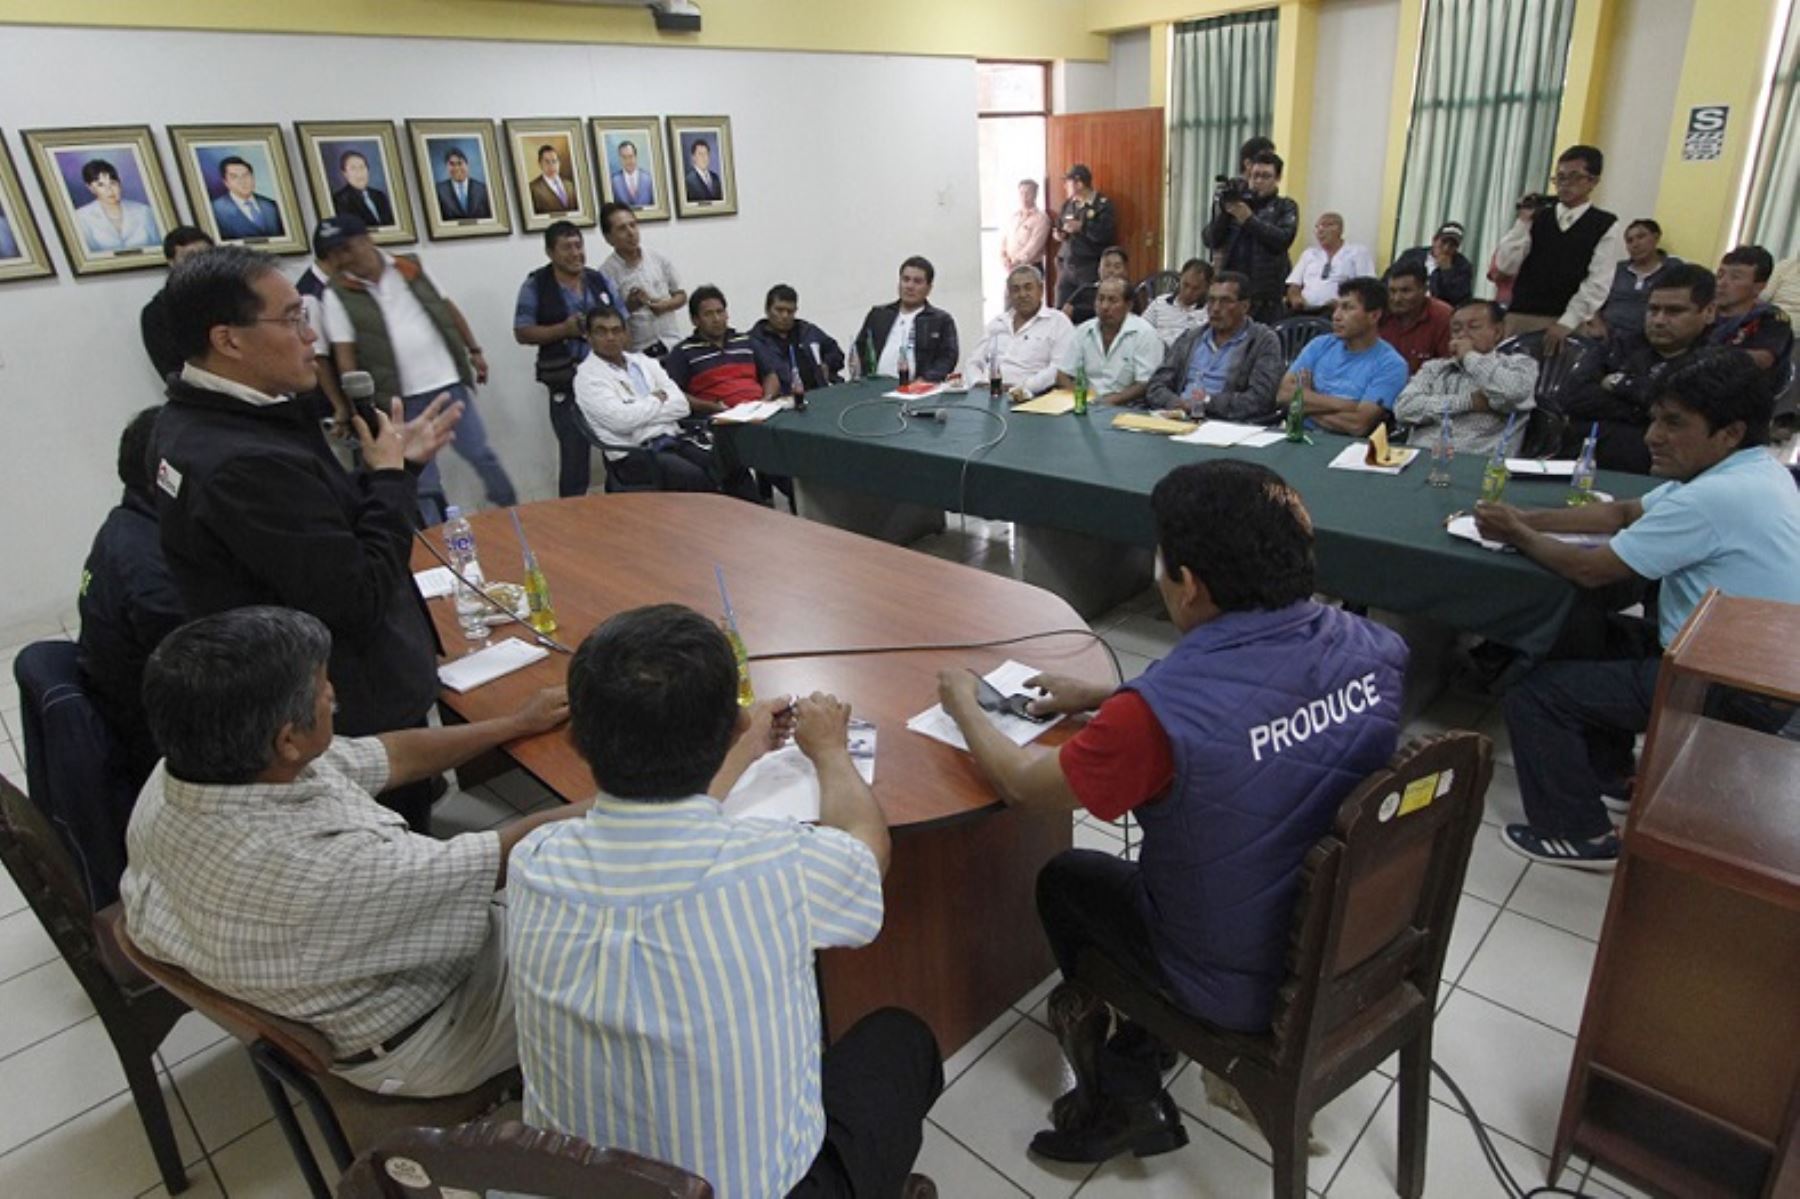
x=1231 y=190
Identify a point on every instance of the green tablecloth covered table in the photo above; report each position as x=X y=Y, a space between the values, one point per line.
x=1381 y=538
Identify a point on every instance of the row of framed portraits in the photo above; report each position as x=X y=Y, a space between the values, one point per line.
x=112 y=204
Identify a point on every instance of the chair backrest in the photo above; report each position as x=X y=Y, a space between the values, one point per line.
x=1296 y=331
x=1555 y=372
x=507 y=1157
x=1378 y=894
x=1161 y=283
x=308 y=1048
x=51 y=883
x=73 y=766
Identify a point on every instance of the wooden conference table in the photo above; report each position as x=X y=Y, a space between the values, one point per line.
x=961 y=939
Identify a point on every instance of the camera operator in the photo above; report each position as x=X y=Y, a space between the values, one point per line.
x=1085 y=228
x=1251 y=231
x=1562 y=255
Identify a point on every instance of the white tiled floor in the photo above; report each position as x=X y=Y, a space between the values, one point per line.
x=1516 y=977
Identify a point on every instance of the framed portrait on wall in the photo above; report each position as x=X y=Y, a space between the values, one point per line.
x=107 y=194
x=461 y=183
x=704 y=166
x=550 y=166
x=240 y=186
x=628 y=154
x=354 y=167
x=22 y=253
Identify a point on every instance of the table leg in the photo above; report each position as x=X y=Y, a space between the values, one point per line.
x=961 y=941
x=1092 y=574
x=872 y=516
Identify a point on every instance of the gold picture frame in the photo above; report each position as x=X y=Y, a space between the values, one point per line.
x=22 y=251
x=478 y=208
x=532 y=145
x=620 y=142
x=86 y=173
x=713 y=193
x=230 y=171
x=374 y=189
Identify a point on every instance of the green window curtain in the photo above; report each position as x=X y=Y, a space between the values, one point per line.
x=1775 y=190
x=1222 y=92
x=1485 y=103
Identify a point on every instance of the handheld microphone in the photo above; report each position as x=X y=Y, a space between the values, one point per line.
x=359 y=389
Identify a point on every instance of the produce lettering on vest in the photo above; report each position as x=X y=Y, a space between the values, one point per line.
x=1284 y=732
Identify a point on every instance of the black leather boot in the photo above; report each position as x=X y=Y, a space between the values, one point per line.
x=1081 y=1023
x=1145 y=1127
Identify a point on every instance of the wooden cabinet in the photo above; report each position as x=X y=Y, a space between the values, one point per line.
x=1687 y=1071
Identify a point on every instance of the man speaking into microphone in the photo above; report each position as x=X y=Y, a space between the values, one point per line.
x=256 y=510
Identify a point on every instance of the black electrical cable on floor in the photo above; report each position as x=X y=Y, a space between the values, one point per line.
x=1508 y=1183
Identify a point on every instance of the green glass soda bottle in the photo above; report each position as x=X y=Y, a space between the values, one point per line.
x=1081 y=389
x=1296 y=415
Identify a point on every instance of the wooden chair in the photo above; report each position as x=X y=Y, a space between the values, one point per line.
x=486 y=1158
x=285 y=1052
x=136 y=1013
x=1296 y=331
x=1371 y=924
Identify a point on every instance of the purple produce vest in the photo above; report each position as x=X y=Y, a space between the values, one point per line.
x=1274 y=718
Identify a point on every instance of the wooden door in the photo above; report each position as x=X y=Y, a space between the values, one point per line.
x=1124 y=149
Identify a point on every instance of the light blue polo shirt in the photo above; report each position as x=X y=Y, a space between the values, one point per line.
x=1376 y=375
x=1734 y=526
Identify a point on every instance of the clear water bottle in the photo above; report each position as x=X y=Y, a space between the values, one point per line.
x=1443 y=452
x=1581 y=481
x=471 y=609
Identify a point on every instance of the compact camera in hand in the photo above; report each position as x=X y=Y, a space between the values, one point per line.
x=1231 y=190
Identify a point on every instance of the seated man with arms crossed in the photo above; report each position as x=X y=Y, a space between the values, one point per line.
x=1351 y=378
x=1473 y=387
x=628 y=399
x=1118 y=350
x=261 y=864
x=1233 y=752
x=1227 y=369
x=1728 y=517
x=663 y=952
x=1025 y=342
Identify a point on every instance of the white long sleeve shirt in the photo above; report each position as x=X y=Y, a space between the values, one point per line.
x=629 y=404
x=1028 y=356
x=1515 y=247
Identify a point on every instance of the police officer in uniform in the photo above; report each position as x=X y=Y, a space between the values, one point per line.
x=1086 y=227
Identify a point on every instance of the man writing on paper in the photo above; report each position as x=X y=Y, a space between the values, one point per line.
x=1350 y=379
x=255 y=509
x=1118 y=349
x=1227 y=369
x=260 y=864
x=1727 y=517
x=663 y=952
x=1233 y=753
x=1024 y=343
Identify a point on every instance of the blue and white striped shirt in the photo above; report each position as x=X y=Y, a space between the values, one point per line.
x=662 y=965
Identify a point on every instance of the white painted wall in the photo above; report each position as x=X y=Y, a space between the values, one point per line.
x=1131 y=69
x=1351 y=88
x=73 y=369
x=1639 y=102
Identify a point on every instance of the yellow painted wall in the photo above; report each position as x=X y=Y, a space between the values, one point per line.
x=1584 y=83
x=1296 y=42
x=1045 y=29
x=1697 y=200
x=1406 y=65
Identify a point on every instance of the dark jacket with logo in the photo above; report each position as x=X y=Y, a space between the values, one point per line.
x=934 y=339
x=256 y=510
x=1257 y=248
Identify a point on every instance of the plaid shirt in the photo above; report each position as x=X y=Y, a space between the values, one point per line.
x=308 y=899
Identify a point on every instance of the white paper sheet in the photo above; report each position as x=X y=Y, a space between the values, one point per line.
x=1223 y=433
x=783 y=784
x=438 y=581
x=1463 y=525
x=1557 y=468
x=1008 y=678
x=754 y=412
x=484 y=666
x=1354 y=457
